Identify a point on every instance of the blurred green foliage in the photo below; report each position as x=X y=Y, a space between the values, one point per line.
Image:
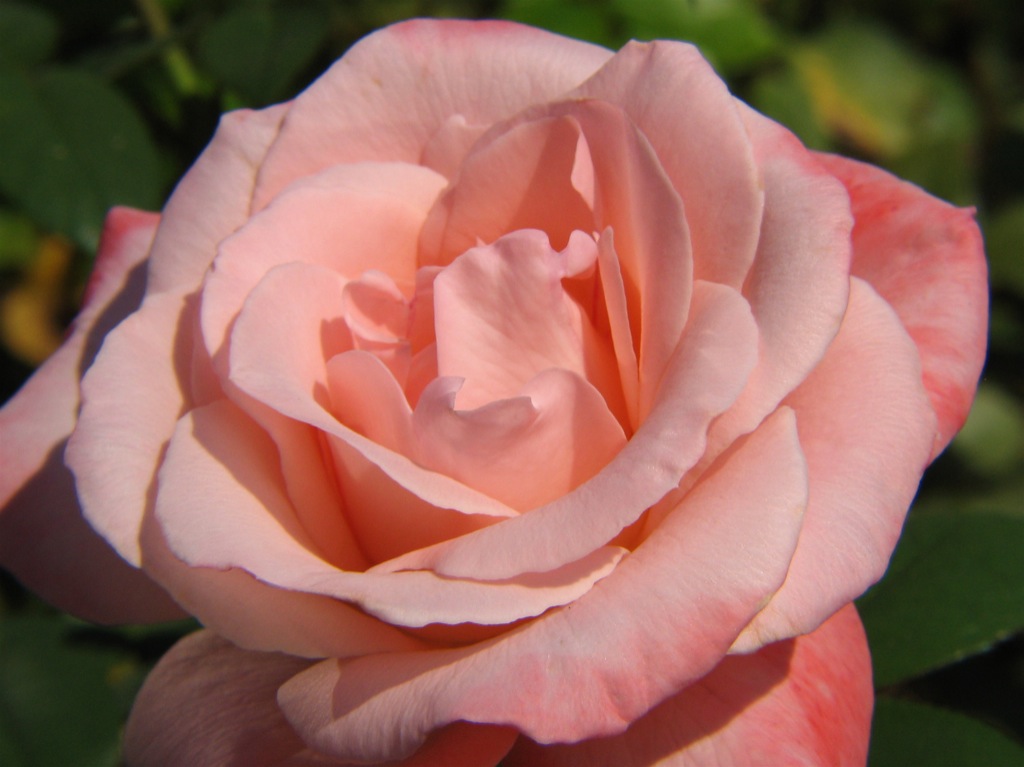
x=108 y=102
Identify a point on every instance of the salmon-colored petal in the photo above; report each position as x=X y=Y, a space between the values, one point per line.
x=799 y=284
x=502 y=316
x=635 y=200
x=291 y=378
x=221 y=700
x=43 y=539
x=693 y=124
x=661 y=621
x=521 y=179
x=224 y=699
x=131 y=399
x=213 y=199
x=801 y=703
x=704 y=377
x=348 y=219
x=527 y=451
x=867 y=430
x=926 y=258
x=259 y=616
x=397 y=89
x=220 y=505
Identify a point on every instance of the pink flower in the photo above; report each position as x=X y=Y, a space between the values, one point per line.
x=500 y=398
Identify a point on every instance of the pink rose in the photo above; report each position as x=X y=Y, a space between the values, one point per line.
x=500 y=398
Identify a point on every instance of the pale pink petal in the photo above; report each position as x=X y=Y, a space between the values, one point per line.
x=926 y=258
x=349 y=219
x=867 y=431
x=221 y=702
x=693 y=124
x=213 y=199
x=521 y=179
x=268 y=365
x=525 y=452
x=259 y=616
x=503 y=316
x=387 y=519
x=661 y=621
x=799 y=284
x=43 y=539
x=131 y=399
x=635 y=199
x=221 y=505
x=802 y=703
x=389 y=96
x=704 y=377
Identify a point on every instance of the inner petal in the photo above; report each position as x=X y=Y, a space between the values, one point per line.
x=534 y=176
x=377 y=315
x=502 y=316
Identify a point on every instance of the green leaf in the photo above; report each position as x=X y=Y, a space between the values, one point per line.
x=28 y=35
x=258 y=50
x=573 y=18
x=61 y=702
x=955 y=586
x=70 y=148
x=905 y=733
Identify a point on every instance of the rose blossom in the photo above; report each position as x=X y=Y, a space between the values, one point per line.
x=500 y=398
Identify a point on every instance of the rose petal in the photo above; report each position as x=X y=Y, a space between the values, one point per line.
x=269 y=366
x=632 y=197
x=221 y=506
x=926 y=259
x=867 y=430
x=503 y=316
x=397 y=88
x=686 y=113
x=224 y=698
x=803 y=702
x=522 y=179
x=43 y=539
x=799 y=284
x=212 y=200
x=661 y=621
x=258 y=616
x=705 y=376
x=350 y=219
x=526 y=451
x=131 y=399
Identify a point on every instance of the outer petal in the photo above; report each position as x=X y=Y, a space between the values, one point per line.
x=43 y=538
x=802 y=702
x=925 y=257
x=867 y=430
x=223 y=700
x=213 y=199
x=799 y=284
x=395 y=90
x=661 y=621
x=131 y=399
